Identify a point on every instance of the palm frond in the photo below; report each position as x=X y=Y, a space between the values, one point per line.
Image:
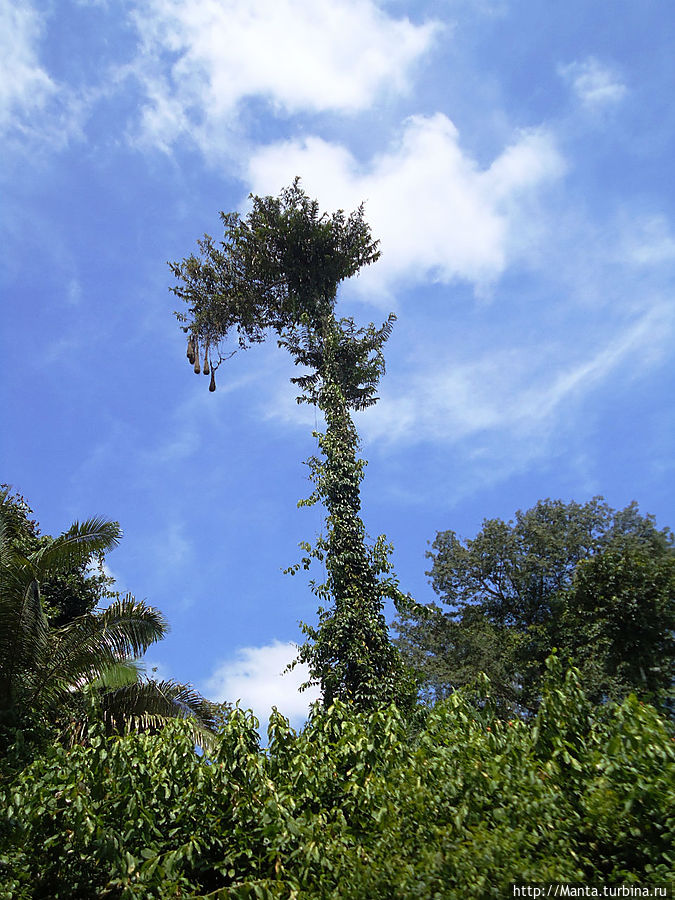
x=167 y=699
x=132 y=626
x=147 y=705
x=76 y=546
x=23 y=629
x=128 y=671
x=90 y=645
x=88 y=668
x=5 y=537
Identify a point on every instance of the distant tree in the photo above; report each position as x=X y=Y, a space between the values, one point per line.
x=278 y=270
x=618 y=621
x=596 y=583
x=65 y=676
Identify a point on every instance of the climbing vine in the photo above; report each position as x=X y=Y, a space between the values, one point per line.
x=278 y=270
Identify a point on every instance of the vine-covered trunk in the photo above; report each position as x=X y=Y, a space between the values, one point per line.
x=351 y=653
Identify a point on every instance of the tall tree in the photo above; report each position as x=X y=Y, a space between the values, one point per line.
x=597 y=583
x=278 y=270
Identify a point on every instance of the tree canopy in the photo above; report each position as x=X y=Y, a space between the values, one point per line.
x=595 y=582
x=278 y=269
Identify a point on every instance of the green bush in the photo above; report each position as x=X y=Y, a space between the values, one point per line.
x=369 y=805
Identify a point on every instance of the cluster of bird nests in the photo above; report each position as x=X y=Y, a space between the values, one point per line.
x=193 y=357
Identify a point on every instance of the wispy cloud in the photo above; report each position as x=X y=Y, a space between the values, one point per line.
x=256 y=677
x=439 y=215
x=650 y=241
x=176 y=549
x=33 y=106
x=516 y=392
x=596 y=85
x=200 y=59
x=507 y=410
x=25 y=86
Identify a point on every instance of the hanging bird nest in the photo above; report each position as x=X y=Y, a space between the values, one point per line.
x=195 y=359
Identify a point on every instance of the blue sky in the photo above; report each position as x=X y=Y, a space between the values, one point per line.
x=515 y=159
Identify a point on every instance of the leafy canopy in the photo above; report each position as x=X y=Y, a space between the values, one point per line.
x=593 y=581
x=278 y=269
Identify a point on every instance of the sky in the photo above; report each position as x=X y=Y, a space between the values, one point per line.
x=515 y=161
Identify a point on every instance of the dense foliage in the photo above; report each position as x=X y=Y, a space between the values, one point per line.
x=596 y=583
x=279 y=269
x=357 y=805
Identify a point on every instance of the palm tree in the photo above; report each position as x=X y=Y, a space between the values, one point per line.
x=86 y=668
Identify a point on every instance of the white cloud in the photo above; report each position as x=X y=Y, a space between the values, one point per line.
x=438 y=215
x=595 y=85
x=200 y=58
x=256 y=677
